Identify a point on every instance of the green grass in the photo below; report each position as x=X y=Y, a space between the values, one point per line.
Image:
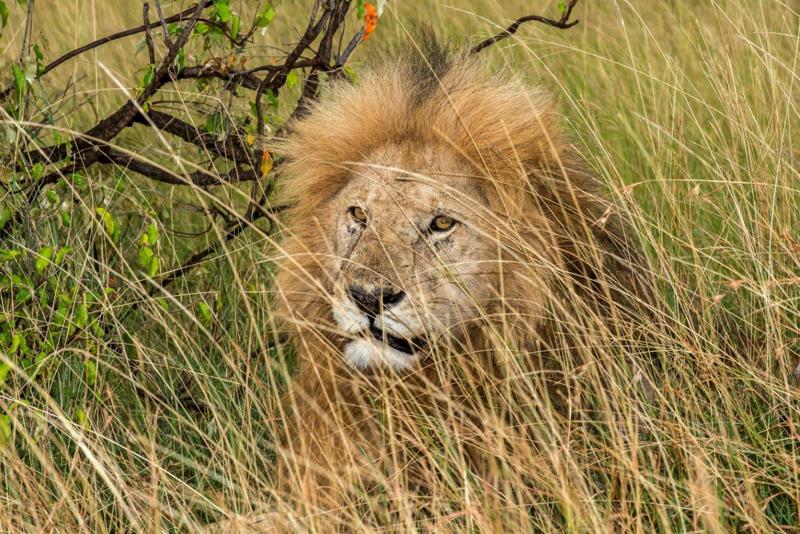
x=689 y=109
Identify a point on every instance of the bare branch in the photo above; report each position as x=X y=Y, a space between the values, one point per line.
x=562 y=23
x=233 y=148
x=201 y=179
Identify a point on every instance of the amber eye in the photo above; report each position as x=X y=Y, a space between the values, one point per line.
x=358 y=214
x=442 y=223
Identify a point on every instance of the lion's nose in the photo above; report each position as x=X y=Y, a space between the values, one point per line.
x=372 y=301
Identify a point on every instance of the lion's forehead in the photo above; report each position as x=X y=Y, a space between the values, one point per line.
x=401 y=193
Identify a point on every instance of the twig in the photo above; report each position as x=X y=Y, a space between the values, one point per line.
x=26 y=36
x=277 y=79
x=164 y=28
x=349 y=49
x=562 y=23
x=148 y=37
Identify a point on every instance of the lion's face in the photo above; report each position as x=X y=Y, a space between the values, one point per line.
x=411 y=262
x=449 y=212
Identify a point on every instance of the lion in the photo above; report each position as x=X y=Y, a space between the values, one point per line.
x=444 y=236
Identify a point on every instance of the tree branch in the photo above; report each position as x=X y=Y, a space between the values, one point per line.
x=562 y=23
x=201 y=179
x=232 y=148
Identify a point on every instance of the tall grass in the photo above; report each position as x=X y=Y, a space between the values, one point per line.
x=688 y=111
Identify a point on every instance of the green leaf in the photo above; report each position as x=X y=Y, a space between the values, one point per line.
x=4 y=369
x=201 y=28
x=5 y=215
x=52 y=196
x=215 y=123
x=82 y=315
x=79 y=180
x=562 y=6
x=223 y=10
x=90 y=369
x=62 y=313
x=148 y=76
x=266 y=16
x=180 y=60
x=80 y=416
x=153 y=269
x=361 y=9
x=108 y=220
x=97 y=330
x=152 y=233
x=291 y=79
x=5 y=429
x=44 y=259
x=22 y=296
x=350 y=72
x=145 y=257
x=66 y=218
x=37 y=170
x=63 y=251
x=8 y=254
x=38 y=53
x=16 y=339
x=273 y=98
x=3 y=13
x=204 y=312
x=235 y=23
x=19 y=79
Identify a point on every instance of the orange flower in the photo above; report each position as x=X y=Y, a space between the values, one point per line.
x=370 y=20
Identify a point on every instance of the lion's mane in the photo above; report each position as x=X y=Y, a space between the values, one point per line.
x=528 y=172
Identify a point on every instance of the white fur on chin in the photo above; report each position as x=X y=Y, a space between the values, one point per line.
x=364 y=353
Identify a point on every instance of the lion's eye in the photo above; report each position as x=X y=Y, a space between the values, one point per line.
x=442 y=223
x=358 y=214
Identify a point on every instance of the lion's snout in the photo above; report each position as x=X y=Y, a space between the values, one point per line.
x=372 y=301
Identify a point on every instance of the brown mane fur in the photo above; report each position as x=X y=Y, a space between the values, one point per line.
x=529 y=176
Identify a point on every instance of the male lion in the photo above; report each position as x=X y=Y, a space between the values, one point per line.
x=445 y=244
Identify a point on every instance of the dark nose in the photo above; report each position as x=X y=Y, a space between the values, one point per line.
x=372 y=301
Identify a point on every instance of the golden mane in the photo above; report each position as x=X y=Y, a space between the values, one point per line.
x=529 y=175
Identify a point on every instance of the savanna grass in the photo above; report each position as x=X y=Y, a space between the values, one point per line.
x=687 y=111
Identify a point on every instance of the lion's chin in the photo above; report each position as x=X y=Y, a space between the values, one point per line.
x=366 y=353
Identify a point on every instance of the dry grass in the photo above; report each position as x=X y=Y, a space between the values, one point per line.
x=690 y=109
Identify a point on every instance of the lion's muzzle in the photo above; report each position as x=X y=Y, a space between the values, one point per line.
x=370 y=315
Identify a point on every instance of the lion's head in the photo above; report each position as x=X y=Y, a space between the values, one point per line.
x=436 y=202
